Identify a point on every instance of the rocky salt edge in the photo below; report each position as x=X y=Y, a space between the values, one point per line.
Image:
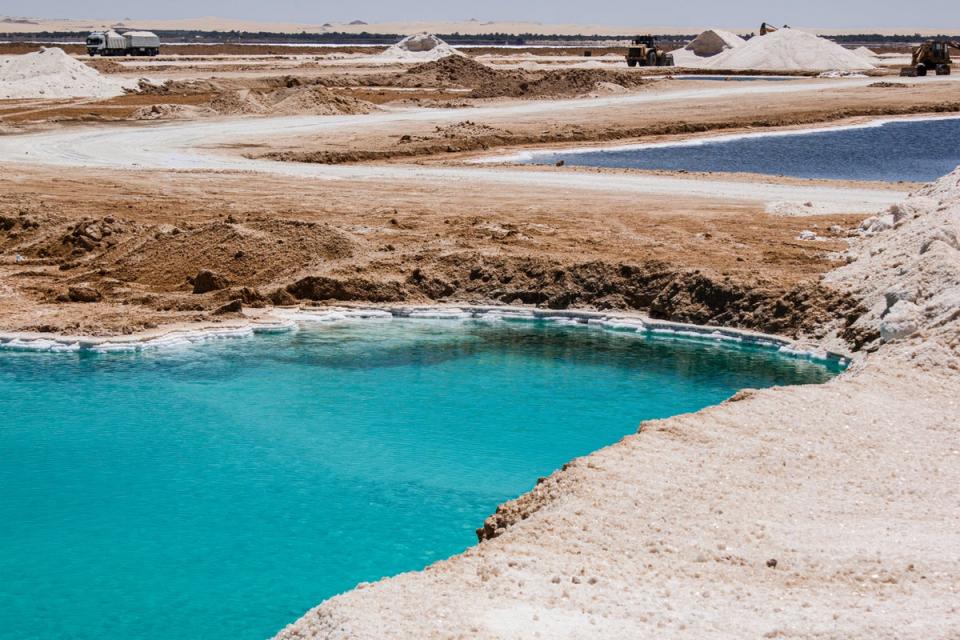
x=282 y=319
x=808 y=511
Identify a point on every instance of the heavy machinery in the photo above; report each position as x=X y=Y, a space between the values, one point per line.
x=769 y=28
x=646 y=53
x=131 y=43
x=933 y=55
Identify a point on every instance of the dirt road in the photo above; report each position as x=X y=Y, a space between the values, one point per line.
x=200 y=146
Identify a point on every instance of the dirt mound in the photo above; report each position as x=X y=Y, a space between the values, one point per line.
x=574 y=82
x=488 y=82
x=251 y=253
x=104 y=65
x=45 y=237
x=458 y=71
x=242 y=102
x=26 y=232
x=296 y=100
x=714 y=41
x=315 y=101
x=182 y=87
x=170 y=112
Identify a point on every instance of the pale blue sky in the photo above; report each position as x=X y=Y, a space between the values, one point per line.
x=839 y=14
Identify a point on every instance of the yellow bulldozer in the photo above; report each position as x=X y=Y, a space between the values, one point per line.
x=930 y=56
x=645 y=52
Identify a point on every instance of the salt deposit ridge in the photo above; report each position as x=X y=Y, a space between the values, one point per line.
x=783 y=50
x=420 y=47
x=51 y=73
x=286 y=319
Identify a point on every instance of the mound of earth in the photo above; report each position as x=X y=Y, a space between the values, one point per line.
x=713 y=42
x=181 y=87
x=104 y=65
x=252 y=253
x=170 y=112
x=51 y=73
x=487 y=82
x=241 y=102
x=459 y=71
x=557 y=83
x=315 y=101
x=296 y=100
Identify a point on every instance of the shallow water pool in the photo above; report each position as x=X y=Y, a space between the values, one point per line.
x=220 y=490
x=910 y=150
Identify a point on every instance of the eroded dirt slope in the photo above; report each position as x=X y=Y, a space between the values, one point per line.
x=140 y=245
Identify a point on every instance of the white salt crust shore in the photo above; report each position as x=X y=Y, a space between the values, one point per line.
x=813 y=511
x=700 y=140
x=287 y=319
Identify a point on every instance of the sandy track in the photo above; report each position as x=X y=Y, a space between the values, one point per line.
x=193 y=146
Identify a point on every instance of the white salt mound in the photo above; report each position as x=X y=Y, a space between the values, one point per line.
x=790 y=50
x=51 y=73
x=713 y=42
x=866 y=54
x=420 y=46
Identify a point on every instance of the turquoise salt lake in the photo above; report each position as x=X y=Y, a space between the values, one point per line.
x=220 y=490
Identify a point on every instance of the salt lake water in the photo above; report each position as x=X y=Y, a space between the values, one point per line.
x=220 y=490
x=911 y=150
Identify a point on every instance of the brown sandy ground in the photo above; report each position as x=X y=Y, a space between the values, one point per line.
x=137 y=240
x=287 y=240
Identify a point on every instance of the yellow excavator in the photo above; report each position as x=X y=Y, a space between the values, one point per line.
x=769 y=28
x=933 y=55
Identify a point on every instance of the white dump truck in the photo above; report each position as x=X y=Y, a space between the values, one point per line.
x=131 y=43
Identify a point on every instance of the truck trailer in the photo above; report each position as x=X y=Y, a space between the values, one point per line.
x=131 y=43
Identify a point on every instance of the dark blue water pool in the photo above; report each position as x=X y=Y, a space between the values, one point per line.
x=917 y=150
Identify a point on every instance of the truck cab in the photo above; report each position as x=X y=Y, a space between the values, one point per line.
x=96 y=42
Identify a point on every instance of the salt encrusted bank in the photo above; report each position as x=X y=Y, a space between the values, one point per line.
x=811 y=511
x=286 y=319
